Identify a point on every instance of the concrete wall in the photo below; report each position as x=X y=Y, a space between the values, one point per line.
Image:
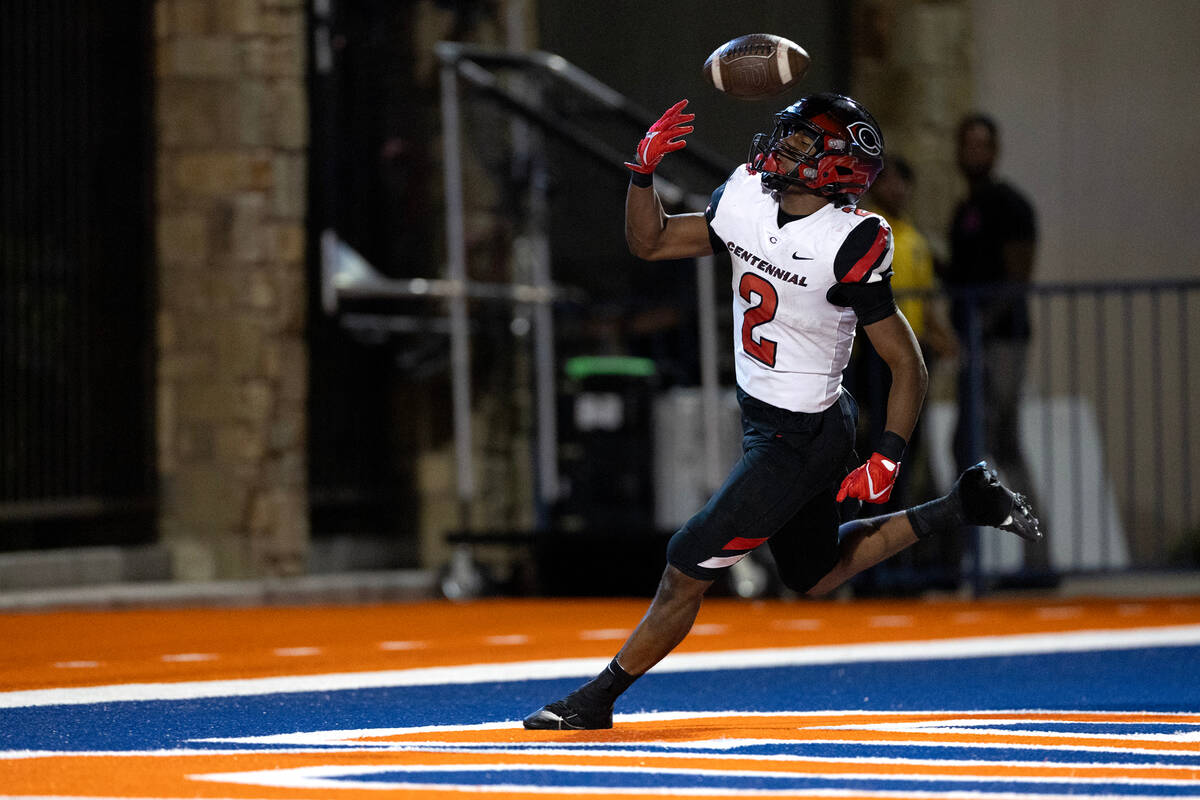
x=1098 y=103
x=232 y=135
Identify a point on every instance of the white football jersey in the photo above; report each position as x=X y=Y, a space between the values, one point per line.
x=791 y=341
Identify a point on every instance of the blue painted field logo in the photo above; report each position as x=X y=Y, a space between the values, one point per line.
x=902 y=754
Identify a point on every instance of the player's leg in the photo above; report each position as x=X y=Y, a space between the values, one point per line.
x=699 y=548
x=765 y=488
x=815 y=552
x=708 y=544
x=977 y=498
x=806 y=548
x=863 y=543
x=665 y=624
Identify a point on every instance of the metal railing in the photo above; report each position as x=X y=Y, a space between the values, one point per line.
x=520 y=83
x=476 y=68
x=1105 y=426
x=76 y=326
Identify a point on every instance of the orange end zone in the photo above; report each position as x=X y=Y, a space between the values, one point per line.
x=90 y=648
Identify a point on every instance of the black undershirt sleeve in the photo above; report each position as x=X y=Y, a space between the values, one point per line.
x=870 y=301
x=718 y=246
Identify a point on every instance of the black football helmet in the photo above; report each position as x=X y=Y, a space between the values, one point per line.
x=843 y=159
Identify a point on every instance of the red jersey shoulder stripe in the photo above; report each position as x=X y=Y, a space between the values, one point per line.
x=861 y=267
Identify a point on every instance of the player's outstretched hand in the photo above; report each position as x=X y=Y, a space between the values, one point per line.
x=662 y=138
x=872 y=482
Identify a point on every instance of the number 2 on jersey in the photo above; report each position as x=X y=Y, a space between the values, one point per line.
x=764 y=311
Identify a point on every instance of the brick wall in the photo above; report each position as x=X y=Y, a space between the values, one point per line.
x=232 y=131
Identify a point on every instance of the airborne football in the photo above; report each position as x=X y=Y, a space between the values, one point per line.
x=756 y=66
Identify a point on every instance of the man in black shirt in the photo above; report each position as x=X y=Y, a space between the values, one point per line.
x=993 y=235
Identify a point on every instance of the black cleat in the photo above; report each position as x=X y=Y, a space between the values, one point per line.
x=986 y=501
x=569 y=715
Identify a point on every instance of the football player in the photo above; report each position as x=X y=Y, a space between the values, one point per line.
x=808 y=268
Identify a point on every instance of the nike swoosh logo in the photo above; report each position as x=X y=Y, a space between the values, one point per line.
x=802 y=258
x=645 y=145
x=871 y=493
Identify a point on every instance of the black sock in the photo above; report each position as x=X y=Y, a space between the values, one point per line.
x=937 y=516
x=605 y=688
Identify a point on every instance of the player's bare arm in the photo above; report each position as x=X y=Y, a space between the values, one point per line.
x=896 y=344
x=654 y=235
x=651 y=233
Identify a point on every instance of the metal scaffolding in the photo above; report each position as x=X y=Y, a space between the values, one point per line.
x=345 y=275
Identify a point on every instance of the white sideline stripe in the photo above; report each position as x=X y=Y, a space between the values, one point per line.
x=967 y=647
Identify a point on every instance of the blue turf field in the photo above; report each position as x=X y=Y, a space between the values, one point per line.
x=1099 y=718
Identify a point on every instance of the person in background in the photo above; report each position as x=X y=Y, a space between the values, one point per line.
x=912 y=261
x=993 y=236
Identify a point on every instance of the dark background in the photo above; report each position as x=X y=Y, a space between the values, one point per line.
x=376 y=180
x=77 y=420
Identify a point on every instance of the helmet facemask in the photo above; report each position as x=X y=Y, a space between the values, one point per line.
x=830 y=158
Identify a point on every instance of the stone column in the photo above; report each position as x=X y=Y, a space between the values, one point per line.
x=232 y=137
x=912 y=67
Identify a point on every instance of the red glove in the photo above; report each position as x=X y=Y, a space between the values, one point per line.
x=662 y=138
x=872 y=482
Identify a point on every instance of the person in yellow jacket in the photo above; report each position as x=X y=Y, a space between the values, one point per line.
x=912 y=261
